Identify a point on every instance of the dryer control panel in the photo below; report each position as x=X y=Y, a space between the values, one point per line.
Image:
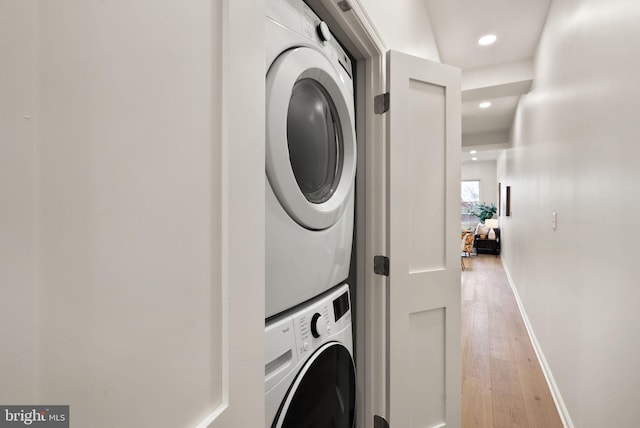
x=297 y=16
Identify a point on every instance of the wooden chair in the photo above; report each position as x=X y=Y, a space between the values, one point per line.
x=466 y=247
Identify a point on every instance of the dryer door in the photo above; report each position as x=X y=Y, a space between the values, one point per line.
x=324 y=392
x=311 y=152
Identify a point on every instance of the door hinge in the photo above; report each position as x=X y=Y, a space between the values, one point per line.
x=381 y=103
x=380 y=422
x=344 y=5
x=381 y=265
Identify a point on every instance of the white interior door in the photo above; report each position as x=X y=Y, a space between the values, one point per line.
x=237 y=336
x=423 y=214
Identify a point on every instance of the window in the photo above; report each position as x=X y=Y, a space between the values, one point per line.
x=470 y=198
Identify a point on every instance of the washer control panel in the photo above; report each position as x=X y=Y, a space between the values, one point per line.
x=295 y=337
x=314 y=324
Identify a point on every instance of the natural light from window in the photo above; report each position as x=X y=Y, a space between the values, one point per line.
x=470 y=197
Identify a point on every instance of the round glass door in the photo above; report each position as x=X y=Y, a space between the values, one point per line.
x=324 y=393
x=310 y=147
x=314 y=137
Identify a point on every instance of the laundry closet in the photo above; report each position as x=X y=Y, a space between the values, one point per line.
x=310 y=194
x=138 y=191
x=339 y=165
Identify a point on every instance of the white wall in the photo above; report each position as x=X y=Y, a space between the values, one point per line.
x=486 y=172
x=124 y=211
x=17 y=201
x=404 y=26
x=575 y=152
x=125 y=219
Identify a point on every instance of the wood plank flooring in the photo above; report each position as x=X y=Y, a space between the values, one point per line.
x=502 y=383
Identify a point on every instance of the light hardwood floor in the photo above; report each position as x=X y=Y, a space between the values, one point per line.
x=502 y=383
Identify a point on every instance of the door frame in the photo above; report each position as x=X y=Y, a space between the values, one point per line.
x=360 y=38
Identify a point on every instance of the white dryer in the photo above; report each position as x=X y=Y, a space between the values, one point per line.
x=310 y=157
x=310 y=378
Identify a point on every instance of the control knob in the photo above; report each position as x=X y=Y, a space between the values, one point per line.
x=323 y=32
x=318 y=325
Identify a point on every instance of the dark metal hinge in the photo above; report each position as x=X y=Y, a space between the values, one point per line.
x=344 y=5
x=381 y=103
x=380 y=422
x=381 y=265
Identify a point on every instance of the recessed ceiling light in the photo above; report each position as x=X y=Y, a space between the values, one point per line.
x=487 y=40
x=473 y=152
x=474 y=159
x=485 y=104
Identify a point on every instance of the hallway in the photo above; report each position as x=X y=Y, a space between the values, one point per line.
x=502 y=383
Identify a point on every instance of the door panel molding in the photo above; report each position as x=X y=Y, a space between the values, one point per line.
x=423 y=148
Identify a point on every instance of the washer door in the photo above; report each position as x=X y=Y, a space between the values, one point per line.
x=324 y=392
x=311 y=152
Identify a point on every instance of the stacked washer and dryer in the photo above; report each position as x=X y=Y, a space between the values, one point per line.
x=310 y=167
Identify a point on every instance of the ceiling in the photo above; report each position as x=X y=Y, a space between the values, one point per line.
x=498 y=73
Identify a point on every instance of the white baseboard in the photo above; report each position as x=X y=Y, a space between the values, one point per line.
x=553 y=387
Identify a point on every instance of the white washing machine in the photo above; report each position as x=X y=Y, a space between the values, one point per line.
x=310 y=377
x=310 y=157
